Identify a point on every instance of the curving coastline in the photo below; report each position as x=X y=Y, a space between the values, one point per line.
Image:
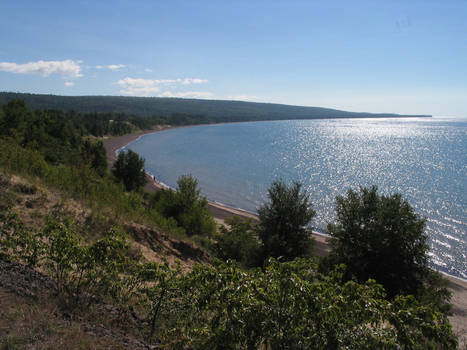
x=113 y=145
x=221 y=213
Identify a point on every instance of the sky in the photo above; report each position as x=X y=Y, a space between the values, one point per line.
x=406 y=57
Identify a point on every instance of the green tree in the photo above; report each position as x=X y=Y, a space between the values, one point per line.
x=284 y=222
x=129 y=168
x=14 y=120
x=380 y=237
x=93 y=154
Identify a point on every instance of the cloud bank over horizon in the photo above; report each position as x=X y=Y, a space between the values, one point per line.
x=147 y=87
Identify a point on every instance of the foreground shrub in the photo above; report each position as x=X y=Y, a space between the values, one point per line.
x=290 y=306
x=186 y=206
x=285 y=305
x=239 y=241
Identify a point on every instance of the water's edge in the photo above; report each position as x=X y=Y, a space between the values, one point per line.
x=218 y=203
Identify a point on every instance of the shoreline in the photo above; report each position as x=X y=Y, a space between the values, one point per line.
x=113 y=145
x=457 y=285
x=220 y=212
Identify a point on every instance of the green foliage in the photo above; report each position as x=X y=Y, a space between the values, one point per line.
x=290 y=306
x=83 y=273
x=159 y=295
x=285 y=306
x=110 y=261
x=129 y=168
x=284 y=222
x=102 y=194
x=14 y=119
x=239 y=241
x=10 y=342
x=186 y=206
x=94 y=156
x=65 y=255
x=18 y=242
x=55 y=135
x=380 y=237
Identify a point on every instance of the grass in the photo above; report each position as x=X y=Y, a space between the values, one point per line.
x=38 y=325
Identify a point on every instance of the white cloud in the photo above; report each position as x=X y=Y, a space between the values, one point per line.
x=44 y=68
x=188 y=81
x=146 y=87
x=187 y=94
x=141 y=87
x=148 y=70
x=115 y=66
x=69 y=83
x=111 y=66
x=244 y=98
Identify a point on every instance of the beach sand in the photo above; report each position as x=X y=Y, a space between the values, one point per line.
x=221 y=213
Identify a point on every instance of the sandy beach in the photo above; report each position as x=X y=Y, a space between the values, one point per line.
x=114 y=144
x=221 y=213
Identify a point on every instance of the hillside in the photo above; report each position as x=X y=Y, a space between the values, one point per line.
x=211 y=110
x=86 y=261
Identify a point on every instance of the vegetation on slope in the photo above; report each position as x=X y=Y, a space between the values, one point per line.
x=283 y=305
x=274 y=304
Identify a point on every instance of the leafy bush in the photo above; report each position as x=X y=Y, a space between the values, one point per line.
x=186 y=206
x=289 y=306
x=17 y=242
x=239 y=241
x=158 y=295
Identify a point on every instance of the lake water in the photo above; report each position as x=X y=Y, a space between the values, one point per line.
x=422 y=158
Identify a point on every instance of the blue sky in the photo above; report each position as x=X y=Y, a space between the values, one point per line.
x=375 y=56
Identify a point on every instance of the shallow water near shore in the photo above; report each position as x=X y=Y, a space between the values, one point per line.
x=422 y=158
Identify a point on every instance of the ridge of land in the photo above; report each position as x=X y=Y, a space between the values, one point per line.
x=205 y=111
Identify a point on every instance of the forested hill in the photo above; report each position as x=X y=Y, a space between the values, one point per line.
x=208 y=110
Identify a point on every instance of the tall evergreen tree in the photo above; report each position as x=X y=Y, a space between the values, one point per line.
x=129 y=168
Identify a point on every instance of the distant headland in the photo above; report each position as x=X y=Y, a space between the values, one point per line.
x=204 y=111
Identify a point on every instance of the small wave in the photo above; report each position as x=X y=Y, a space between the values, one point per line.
x=436 y=260
x=454 y=220
x=444 y=244
x=451 y=237
x=440 y=223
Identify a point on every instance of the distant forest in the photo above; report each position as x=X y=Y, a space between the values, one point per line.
x=178 y=111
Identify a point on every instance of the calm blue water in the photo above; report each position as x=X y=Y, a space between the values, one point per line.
x=424 y=159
